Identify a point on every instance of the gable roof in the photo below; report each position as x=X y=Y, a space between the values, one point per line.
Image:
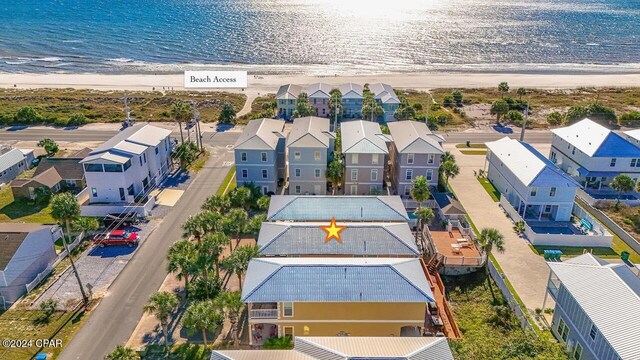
x=129 y=142
x=49 y=177
x=596 y=140
x=362 y=137
x=10 y=158
x=449 y=204
x=310 y=131
x=336 y=280
x=414 y=137
x=343 y=208
x=11 y=238
x=67 y=168
x=609 y=294
x=319 y=90
x=528 y=165
x=362 y=239
x=288 y=92
x=633 y=134
x=357 y=90
x=261 y=134
x=384 y=93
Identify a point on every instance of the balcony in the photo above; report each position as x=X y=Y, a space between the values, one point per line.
x=263 y=314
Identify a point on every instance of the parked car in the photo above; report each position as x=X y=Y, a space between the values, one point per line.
x=117 y=237
x=120 y=221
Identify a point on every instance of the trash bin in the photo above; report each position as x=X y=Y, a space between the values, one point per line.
x=624 y=255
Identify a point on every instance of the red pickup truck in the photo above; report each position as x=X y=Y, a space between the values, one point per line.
x=117 y=237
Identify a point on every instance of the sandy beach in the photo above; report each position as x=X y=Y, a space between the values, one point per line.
x=260 y=84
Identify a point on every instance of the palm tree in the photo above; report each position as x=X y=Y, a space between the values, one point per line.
x=263 y=203
x=503 y=87
x=235 y=224
x=161 y=305
x=448 y=156
x=335 y=174
x=622 y=183
x=231 y=302
x=85 y=224
x=420 y=190
x=424 y=215
x=450 y=170
x=238 y=261
x=201 y=224
x=253 y=228
x=65 y=209
x=521 y=92
x=209 y=251
x=519 y=227
x=181 y=112
x=123 y=353
x=335 y=106
x=488 y=239
x=217 y=203
x=182 y=257
x=203 y=316
x=241 y=197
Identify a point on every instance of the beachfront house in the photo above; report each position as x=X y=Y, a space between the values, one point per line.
x=361 y=239
x=387 y=98
x=347 y=348
x=319 y=98
x=593 y=155
x=25 y=251
x=13 y=162
x=633 y=136
x=125 y=168
x=334 y=296
x=352 y=95
x=597 y=304
x=415 y=151
x=365 y=157
x=342 y=208
x=260 y=155
x=286 y=100
x=309 y=148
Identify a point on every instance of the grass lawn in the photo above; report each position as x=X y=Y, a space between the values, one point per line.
x=472 y=146
x=491 y=190
x=571 y=251
x=474 y=152
x=22 y=210
x=490 y=330
x=198 y=164
x=228 y=184
x=178 y=352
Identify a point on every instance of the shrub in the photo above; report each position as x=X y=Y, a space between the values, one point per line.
x=227 y=115
x=515 y=117
x=278 y=343
x=435 y=107
x=417 y=106
x=631 y=118
x=27 y=115
x=448 y=101
x=59 y=122
x=556 y=118
x=457 y=97
x=77 y=120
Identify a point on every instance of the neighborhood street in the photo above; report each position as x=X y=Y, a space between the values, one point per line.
x=115 y=318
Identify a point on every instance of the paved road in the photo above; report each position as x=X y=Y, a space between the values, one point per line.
x=116 y=317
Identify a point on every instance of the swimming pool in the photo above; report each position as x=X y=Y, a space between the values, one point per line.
x=560 y=230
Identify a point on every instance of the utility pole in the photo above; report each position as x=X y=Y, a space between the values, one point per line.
x=196 y=116
x=526 y=119
x=85 y=298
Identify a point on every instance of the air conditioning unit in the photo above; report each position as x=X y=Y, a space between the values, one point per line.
x=571 y=345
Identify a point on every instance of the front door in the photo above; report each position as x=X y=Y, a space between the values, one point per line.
x=32 y=193
x=265 y=190
x=353 y=189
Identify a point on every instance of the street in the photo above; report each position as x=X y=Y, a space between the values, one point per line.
x=115 y=318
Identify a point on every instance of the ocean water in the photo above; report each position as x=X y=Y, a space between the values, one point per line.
x=319 y=36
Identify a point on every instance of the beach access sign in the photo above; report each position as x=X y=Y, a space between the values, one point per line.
x=215 y=79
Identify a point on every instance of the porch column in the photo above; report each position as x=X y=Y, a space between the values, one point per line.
x=540 y=215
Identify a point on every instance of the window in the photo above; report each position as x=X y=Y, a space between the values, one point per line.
x=94 y=192
x=112 y=168
x=563 y=330
x=265 y=173
x=140 y=160
x=409 y=158
x=577 y=354
x=263 y=157
x=245 y=173
x=552 y=192
x=409 y=174
x=317 y=155
x=547 y=209
x=287 y=309
x=407 y=190
x=613 y=162
x=430 y=158
x=429 y=175
x=354 y=158
x=534 y=191
x=122 y=194
x=93 y=167
x=374 y=159
x=354 y=174
x=297 y=189
x=634 y=162
x=374 y=175
x=317 y=173
x=130 y=190
x=297 y=172
x=243 y=156
x=127 y=165
x=296 y=155
x=156 y=149
x=593 y=332
x=144 y=156
x=288 y=331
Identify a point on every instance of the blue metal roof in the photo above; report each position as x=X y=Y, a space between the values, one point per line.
x=584 y=172
x=336 y=280
x=343 y=208
x=615 y=145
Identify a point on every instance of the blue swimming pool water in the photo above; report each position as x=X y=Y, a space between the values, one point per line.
x=552 y=230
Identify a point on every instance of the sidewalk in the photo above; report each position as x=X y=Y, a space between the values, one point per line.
x=527 y=272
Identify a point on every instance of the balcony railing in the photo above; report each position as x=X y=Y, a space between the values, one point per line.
x=263 y=314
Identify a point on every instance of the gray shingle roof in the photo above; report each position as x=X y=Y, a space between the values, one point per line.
x=336 y=280
x=362 y=239
x=312 y=128
x=343 y=208
x=260 y=134
x=289 y=91
x=609 y=294
x=68 y=168
x=362 y=137
x=414 y=137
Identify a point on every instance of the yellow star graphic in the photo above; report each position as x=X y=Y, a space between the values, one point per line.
x=333 y=231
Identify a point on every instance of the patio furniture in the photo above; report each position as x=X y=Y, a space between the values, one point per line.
x=552 y=254
x=455 y=248
x=586 y=225
x=436 y=320
x=462 y=241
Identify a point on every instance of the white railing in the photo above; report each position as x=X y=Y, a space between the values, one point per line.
x=263 y=314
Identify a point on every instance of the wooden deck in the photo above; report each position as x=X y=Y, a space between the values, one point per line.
x=449 y=328
x=466 y=255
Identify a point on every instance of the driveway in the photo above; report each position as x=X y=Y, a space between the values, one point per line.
x=527 y=272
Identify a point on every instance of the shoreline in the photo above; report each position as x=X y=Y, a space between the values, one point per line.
x=261 y=84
